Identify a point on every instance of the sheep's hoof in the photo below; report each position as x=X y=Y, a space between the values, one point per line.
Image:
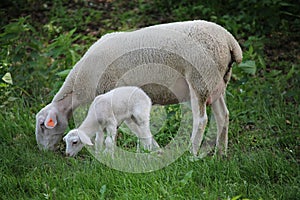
x=108 y=152
x=194 y=151
x=157 y=152
x=193 y=158
x=197 y=158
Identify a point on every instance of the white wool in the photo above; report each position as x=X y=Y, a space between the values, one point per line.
x=207 y=46
x=179 y=57
x=124 y=104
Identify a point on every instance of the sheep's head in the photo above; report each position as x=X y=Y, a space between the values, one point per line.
x=50 y=126
x=75 y=140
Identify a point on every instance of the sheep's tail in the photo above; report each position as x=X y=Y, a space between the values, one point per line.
x=236 y=56
x=235 y=50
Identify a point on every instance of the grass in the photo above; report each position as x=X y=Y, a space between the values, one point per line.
x=263 y=162
x=263 y=99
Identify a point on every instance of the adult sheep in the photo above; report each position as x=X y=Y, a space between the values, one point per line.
x=172 y=63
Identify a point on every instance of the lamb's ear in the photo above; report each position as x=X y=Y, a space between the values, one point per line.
x=51 y=120
x=85 y=139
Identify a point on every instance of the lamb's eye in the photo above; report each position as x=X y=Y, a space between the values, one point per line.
x=74 y=142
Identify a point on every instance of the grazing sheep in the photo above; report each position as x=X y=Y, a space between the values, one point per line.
x=179 y=61
x=124 y=104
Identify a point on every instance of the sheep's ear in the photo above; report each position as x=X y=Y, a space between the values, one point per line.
x=51 y=120
x=85 y=139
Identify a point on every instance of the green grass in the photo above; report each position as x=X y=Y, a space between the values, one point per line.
x=263 y=162
x=263 y=98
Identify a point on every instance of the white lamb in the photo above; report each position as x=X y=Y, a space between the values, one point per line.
x=172 y=63
x=124 y=104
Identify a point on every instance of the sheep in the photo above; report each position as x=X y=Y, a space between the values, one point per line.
x=174 y=62
x=123 y=104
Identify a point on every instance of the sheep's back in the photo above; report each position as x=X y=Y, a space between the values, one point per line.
x=197 y=48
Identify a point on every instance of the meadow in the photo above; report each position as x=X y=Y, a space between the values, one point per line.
x=42 y=40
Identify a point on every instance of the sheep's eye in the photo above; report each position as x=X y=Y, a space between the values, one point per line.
x=41 y=123
x=42 y=126
x=74 y=142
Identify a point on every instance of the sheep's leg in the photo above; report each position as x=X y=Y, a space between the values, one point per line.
x=135 y=129
x=221 y=114
x=141 y=119
x=199 y=121
x=146 y=138
x=110 y=139
x=141 y=126
x=99 y=141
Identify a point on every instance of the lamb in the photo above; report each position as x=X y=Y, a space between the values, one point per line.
x=172 y=63
x=124 y=104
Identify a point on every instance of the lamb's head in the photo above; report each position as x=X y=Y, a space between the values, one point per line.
x=75 y=140
x=50 y=126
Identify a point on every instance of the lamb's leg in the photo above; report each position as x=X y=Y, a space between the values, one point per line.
x=99 y=140
x=141 y=118
x=221 y=114
x=199 y=121
x=135 y=129
x=146 y=138
x=141 y=127
x=110 y=139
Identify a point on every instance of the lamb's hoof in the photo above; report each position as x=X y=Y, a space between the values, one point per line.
x=157 y=152
x=193 y=151
x=197 y=158
x=108 y=153
x=193 y=159
x=98 y=150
